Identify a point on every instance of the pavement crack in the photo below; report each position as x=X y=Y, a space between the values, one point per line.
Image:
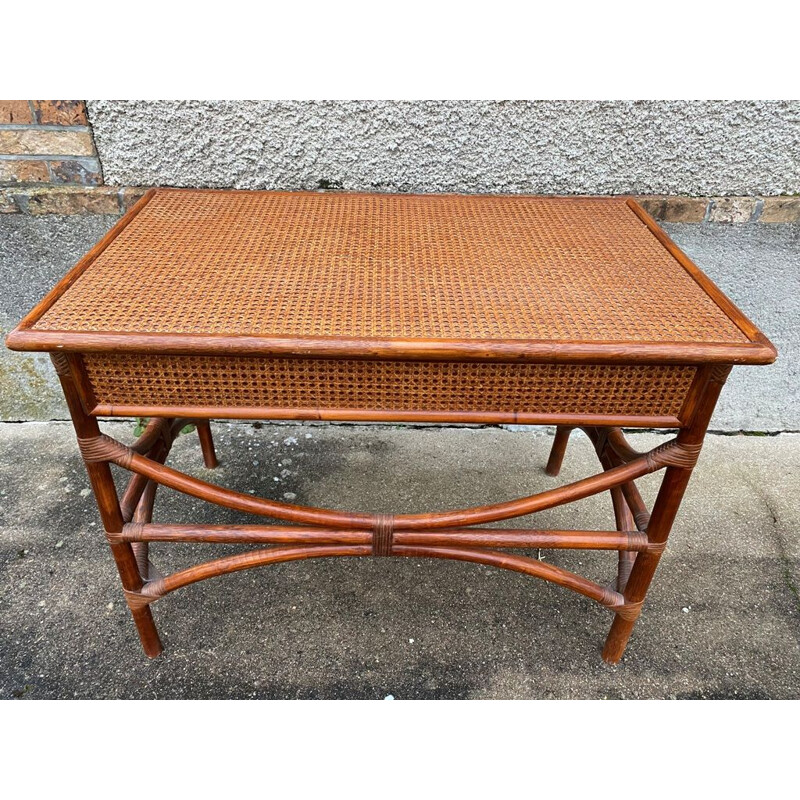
x=780 y=541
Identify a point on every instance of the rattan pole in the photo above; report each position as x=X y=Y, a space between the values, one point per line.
x=144 y=510
x=636 y=505
x=531 y=504
x=138 y=483
x=624 y=520
x=141 y=551
x=142 y=516
x=239 y=501
x=559 y=448
x=665 y=509
x=274 y=555
x=108 y=504
x=622 y=512
x=155 y=430
x=337 y=519
x=257 y=558
x=630 y=491
x=620 y=445
x=453 y=537
x=526 y=565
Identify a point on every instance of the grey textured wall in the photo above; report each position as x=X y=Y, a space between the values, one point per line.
x=648 y=147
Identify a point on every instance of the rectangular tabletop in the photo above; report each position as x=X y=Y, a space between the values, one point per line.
x=220 y=271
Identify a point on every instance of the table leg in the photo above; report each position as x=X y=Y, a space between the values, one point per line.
x=665 y=510
x=105 y=493
x=559 y=448
x=206 y=443
x=624 y=520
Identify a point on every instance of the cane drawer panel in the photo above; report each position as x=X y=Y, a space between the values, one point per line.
x=382 y=385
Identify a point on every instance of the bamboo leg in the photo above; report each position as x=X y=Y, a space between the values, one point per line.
x=622 y=512
x=108 y=504
x=144 y=515
x=141 y=551
x=559 y=448
x=625 y=522
x=624 y=566
x=206 y=443
x=664 y=512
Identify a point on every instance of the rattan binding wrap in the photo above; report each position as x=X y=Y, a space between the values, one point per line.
x=387 y=385
x=390 y=266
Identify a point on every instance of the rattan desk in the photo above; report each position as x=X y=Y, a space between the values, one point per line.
x=578 y=312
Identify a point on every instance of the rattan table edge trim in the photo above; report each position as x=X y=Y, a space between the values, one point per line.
x=509 y=350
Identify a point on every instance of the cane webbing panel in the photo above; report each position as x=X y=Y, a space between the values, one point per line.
x=390 y=266
x=248 y=382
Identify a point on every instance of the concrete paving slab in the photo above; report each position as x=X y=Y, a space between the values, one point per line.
x=722 y=619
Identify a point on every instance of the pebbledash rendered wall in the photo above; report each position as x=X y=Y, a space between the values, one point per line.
x=711 y=162
x=547 y=147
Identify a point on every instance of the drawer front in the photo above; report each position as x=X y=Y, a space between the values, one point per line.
x=309 y=385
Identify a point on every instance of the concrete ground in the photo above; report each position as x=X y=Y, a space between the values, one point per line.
x=722 y=619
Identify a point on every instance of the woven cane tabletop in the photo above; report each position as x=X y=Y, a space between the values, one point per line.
x=428 y=267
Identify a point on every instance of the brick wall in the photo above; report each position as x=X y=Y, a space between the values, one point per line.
x=47 y=141
x=49 y=165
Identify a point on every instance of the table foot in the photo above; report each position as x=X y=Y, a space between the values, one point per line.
x=617 y=639
x=148 y=633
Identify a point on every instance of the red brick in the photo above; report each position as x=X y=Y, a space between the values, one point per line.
x=67 y=200
x=780 y=209
x=85 y=172
x=16 y=112
x=685 y=209
x=131 y=195
x=652 y=204
x=32 y=141
x=23 y=171
x=60 y=112
x=732 y=209
x=675 y=209
x=8 y=204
